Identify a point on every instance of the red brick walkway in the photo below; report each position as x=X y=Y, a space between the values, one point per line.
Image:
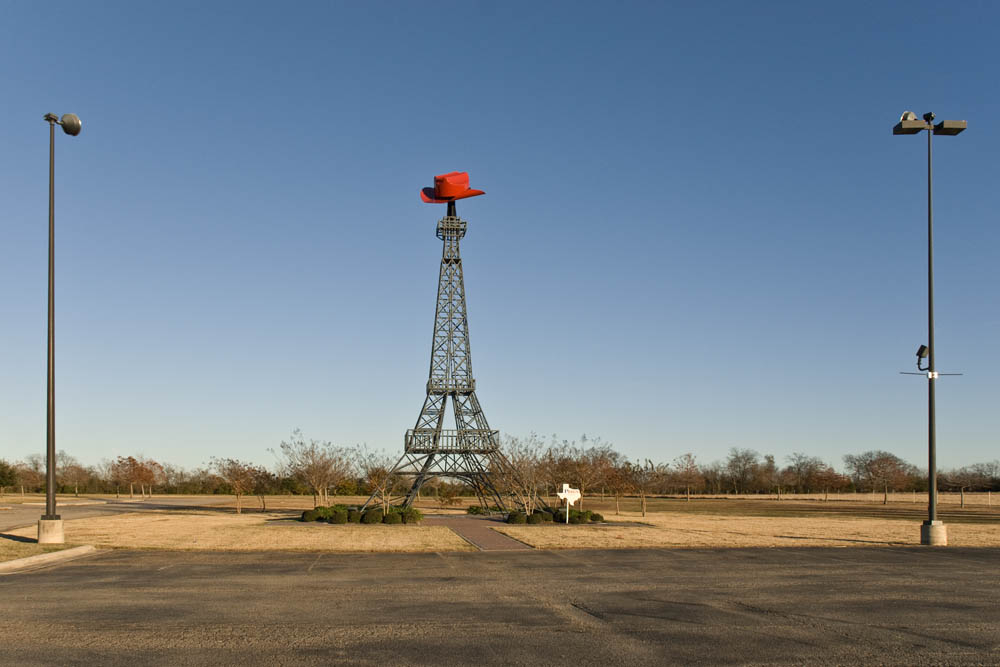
x=477 y=531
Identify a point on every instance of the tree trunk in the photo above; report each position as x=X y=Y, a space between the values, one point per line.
x=687 y=496
x=779 y=494
x=131 y=490
x=826 y=495
x=618 y=505
x=642 y=501
x=238 y=508
x=885 y=496
x=76 y=490
x=22 y=490
x=962 y=490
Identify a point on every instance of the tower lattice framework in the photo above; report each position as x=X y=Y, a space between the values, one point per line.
x=471 y=451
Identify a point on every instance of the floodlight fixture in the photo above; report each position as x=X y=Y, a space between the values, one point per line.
x=71 y=124
x=950 y=127
x=922 y=352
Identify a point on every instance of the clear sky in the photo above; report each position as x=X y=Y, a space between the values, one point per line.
x=698 y=233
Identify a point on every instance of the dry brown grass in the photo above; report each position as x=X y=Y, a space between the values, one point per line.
x=11 y=549
x=212 y=531
x=671 y=529
x=252 y=503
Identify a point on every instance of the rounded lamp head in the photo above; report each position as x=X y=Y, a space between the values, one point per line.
x=71 y=124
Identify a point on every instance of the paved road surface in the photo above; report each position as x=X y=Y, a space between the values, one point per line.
x=630 y=607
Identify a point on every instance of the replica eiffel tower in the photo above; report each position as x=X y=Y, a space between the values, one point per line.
x=471 y=451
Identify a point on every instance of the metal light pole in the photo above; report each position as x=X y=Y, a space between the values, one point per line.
x=933 y=531
x=50 y=529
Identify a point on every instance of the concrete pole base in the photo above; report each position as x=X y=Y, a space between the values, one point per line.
x=50 y=531
x=934 y=533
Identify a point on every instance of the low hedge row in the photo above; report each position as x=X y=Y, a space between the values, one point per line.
x=339 y=514
x=556 y=516
x=479 y=509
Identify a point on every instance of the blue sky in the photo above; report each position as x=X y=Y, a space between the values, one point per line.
x=698 y=233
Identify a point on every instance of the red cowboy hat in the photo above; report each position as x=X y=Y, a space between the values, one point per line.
x=449 y=187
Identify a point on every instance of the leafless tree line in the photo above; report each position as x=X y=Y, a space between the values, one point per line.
x=537 y=468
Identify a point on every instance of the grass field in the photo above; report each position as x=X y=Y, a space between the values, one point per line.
x=216 y=531
x=12 y=548
x=705 y=529
x=210 y=523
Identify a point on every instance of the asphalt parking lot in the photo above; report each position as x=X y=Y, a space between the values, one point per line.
x=628 y=607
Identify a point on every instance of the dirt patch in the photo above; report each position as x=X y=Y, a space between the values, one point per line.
x=669 y=529
x=194 y=530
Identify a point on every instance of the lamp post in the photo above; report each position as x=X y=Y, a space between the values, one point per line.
x=50 y=528
x=932 y=531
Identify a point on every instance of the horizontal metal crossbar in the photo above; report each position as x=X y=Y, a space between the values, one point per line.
x=427 y=440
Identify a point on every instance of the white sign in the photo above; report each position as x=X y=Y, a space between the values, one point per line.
x=568 y=494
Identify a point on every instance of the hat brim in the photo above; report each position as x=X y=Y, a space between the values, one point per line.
x=427 y=194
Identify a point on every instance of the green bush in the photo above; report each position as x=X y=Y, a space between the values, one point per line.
x=412 y=515
x=310 y=515
x=476 y=509
x=372 y=516
x=576 y=518
x=535 y=518
x=546 y=516
x=354 y=515
x=338 y=516
x=324 y=512
x=596 y=518
x=585 y=516
x=393 y=518
x=517 y=517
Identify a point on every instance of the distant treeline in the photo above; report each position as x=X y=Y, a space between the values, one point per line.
x=537 y=466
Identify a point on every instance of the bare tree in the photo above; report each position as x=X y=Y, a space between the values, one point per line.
x=263 y=483
x=687 y=474
x=644 y=477
x=619 y=480
x=319 y=465
x=376 y=470
x=879 y=470
x=238 y=474
x=526 y=472
x=742 y=466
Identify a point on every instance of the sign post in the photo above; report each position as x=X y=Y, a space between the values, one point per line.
x=570 y=496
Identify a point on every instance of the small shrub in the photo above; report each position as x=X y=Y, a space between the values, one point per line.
x=324 y=513
x=475 y=509
x=372 y=516
x=596 y=518
x=393 y=518
x=338 y=516
x=412 y=515
x=576 y=518
x=585 y=516
x=310 y=515
x=546 y=516
x=517 y=517
x=536 y=518
x=354 y=515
